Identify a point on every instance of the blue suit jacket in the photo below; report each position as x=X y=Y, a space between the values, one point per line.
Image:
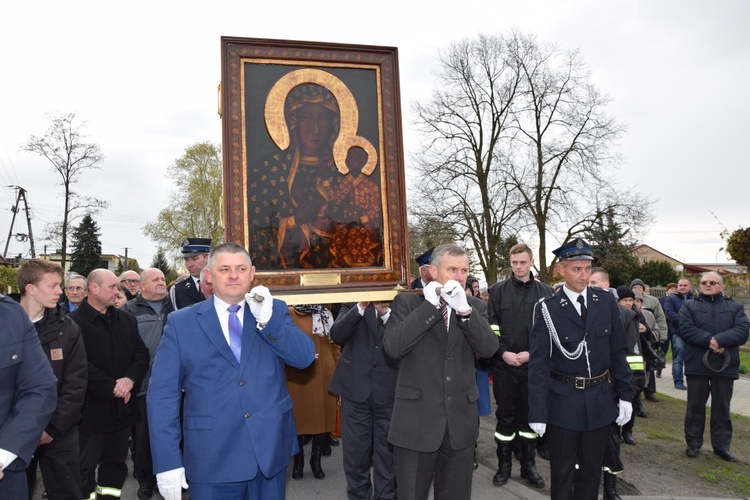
x=237 y=416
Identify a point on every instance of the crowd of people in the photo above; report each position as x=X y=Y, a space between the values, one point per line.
x=212 y=384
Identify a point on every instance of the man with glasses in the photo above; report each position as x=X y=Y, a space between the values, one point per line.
x=713 y=327
x=75 y=292
x=131 y=280
x=672 y=305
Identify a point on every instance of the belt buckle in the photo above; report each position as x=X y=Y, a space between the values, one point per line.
x=580 y=383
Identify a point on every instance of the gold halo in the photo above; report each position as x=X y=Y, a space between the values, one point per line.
x=347 y=138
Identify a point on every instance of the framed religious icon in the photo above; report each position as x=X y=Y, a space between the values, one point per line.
x=313 y=167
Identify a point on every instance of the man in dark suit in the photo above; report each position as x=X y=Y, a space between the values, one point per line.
x=187 y=292
x=365 y=378
x=424 y=270
x=228 y=355
x=434 y=423
x=578 y=353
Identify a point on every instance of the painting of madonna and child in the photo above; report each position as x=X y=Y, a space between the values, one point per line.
x=314 y=175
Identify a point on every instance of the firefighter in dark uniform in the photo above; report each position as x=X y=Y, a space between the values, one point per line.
x=511 y=312
x=424 y=270
x=187 y=292
x=577 y=362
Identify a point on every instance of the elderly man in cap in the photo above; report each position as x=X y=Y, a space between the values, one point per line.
x=424 y=270
x=577 y=362
x=187 y=292
x=713 y=327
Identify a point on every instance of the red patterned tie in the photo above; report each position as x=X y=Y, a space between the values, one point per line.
x=444 y=309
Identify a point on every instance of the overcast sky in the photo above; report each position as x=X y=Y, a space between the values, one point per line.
x=143 y=75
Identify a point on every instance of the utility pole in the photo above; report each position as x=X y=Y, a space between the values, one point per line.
x=127 y=262
x=21 y=196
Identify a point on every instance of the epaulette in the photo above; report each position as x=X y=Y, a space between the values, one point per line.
x=545 y=298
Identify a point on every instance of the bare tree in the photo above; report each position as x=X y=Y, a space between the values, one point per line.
x=465 y=123
x=562 y=152
x=63 y=144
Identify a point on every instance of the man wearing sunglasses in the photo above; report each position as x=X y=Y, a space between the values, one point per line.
x=713 y=328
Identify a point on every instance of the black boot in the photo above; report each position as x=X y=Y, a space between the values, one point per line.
x=317 y=447
x=504 y=460
x=528 y=464
x=610 y=487
x=299 y=465
x=638 y=406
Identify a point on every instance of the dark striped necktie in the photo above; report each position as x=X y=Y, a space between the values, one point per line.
x=444 y=310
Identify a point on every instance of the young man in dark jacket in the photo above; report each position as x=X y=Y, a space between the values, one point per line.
x=711 y=325
x=511 y=310
x=118 y=360
x=57 y=454
x=672 y=305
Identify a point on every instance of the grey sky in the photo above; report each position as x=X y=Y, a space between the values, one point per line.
x=144 y=77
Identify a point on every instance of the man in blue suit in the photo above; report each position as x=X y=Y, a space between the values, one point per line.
x=228 y=355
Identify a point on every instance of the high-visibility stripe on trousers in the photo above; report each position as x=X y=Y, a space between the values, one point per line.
x=108 y=491
x=501 y=438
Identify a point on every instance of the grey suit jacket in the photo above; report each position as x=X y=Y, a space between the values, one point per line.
x=436 y=385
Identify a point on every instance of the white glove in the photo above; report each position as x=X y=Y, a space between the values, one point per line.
x=626 y=411
x=431 y=293
x=261 y=304
x=453 y=293
x=171 y=483
x=540 y=429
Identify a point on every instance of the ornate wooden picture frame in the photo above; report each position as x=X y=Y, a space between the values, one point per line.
x=313 y=166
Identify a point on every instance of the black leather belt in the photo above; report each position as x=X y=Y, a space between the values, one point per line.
x=580 y=382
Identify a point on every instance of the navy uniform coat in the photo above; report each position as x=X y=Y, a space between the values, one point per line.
x=186 y=293
x=28 y=389
x=559 y=403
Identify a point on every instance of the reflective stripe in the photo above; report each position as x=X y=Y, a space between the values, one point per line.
x=503 y=438
x=496 y=329
x=635 y=362
x=108 y=491
x=528 y=435
x=92 y=496
x=610 y=471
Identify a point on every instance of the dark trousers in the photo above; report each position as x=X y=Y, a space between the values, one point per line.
x=611 y=461
x=259 y=487
x=58 y=462
x=566 y=448
x=108 y=452
x=14 y=484
x=720 y=389
x=143 y=466
x=450 y=469
x=511 y=390
x=364 y=432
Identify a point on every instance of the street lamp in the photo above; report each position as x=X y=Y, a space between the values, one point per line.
x=717 y=254
x=679 y=268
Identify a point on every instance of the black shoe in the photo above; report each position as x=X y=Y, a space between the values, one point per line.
x=639 y=411
x=692 y=452
x=628 y=438
x=658 y=374
x=333 y=441
x=529 y=473
x=299 y=466
x=304 y=439
x=725 y=455
x=542 y=449
x=680 y=387
x=146 y=491
x=651 y=397
x=325 y=450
